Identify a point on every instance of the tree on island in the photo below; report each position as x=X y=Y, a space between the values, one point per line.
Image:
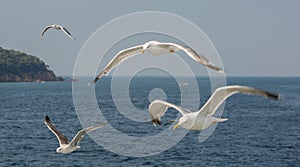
x=17 y=66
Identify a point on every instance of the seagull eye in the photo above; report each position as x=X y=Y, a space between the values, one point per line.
x=185 y=122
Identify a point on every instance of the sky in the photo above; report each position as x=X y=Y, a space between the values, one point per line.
x=253 y=38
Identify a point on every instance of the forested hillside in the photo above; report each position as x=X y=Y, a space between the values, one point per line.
x=17 y=66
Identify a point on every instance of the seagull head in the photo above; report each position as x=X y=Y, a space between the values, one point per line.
x=58 y=150
x=145 y=47
x=55 y=26
x=148 y=45
x=183 y=121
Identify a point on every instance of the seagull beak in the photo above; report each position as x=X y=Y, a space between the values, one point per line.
x=176 y=126
x=143 y=51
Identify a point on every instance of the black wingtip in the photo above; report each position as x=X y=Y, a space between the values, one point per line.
x=47 y=119
x=273 y=96
x=156 y=121
x=100 y=75
x=95 y=80
x=218 y=69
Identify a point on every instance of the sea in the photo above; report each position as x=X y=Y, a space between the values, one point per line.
x=258 y=132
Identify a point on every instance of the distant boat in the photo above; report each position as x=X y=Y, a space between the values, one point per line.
x=40 y=81
x=73 y=79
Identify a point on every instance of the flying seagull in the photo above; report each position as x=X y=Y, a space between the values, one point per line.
x=64 y=146
x=156 y=48
x=58 y=27
x=204 y=117
x=182 y=84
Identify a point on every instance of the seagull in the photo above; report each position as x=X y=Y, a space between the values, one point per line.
x=155 y=48
x=58 y=27
x=203 y=118
x=183 y=84
x=66 y=147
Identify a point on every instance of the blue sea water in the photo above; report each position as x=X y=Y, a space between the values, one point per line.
x=259 y=131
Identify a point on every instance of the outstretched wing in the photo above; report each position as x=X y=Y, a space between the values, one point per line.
x=195 y=56
x=158 y=108
x=222 y=93
x=45 y=29
x=120 y=57
x=80 y=134
x=62 y=139
x=67 y=32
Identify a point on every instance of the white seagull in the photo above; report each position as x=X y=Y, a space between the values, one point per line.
x=58 y=27
x=204 y=117
x=183 y=84
x=66 y=147
x=156 y=48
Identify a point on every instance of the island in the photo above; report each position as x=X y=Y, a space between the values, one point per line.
x=17 y=66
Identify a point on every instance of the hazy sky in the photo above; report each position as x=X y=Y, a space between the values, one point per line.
x=258 y=37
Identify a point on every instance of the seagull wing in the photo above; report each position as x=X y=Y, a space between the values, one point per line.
x=66 y=32
x=80 y=134
x=45 y=29
x=222 y=93
x=62 y=139
x=194 y=55
x=120 y=57
x=158 y=108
